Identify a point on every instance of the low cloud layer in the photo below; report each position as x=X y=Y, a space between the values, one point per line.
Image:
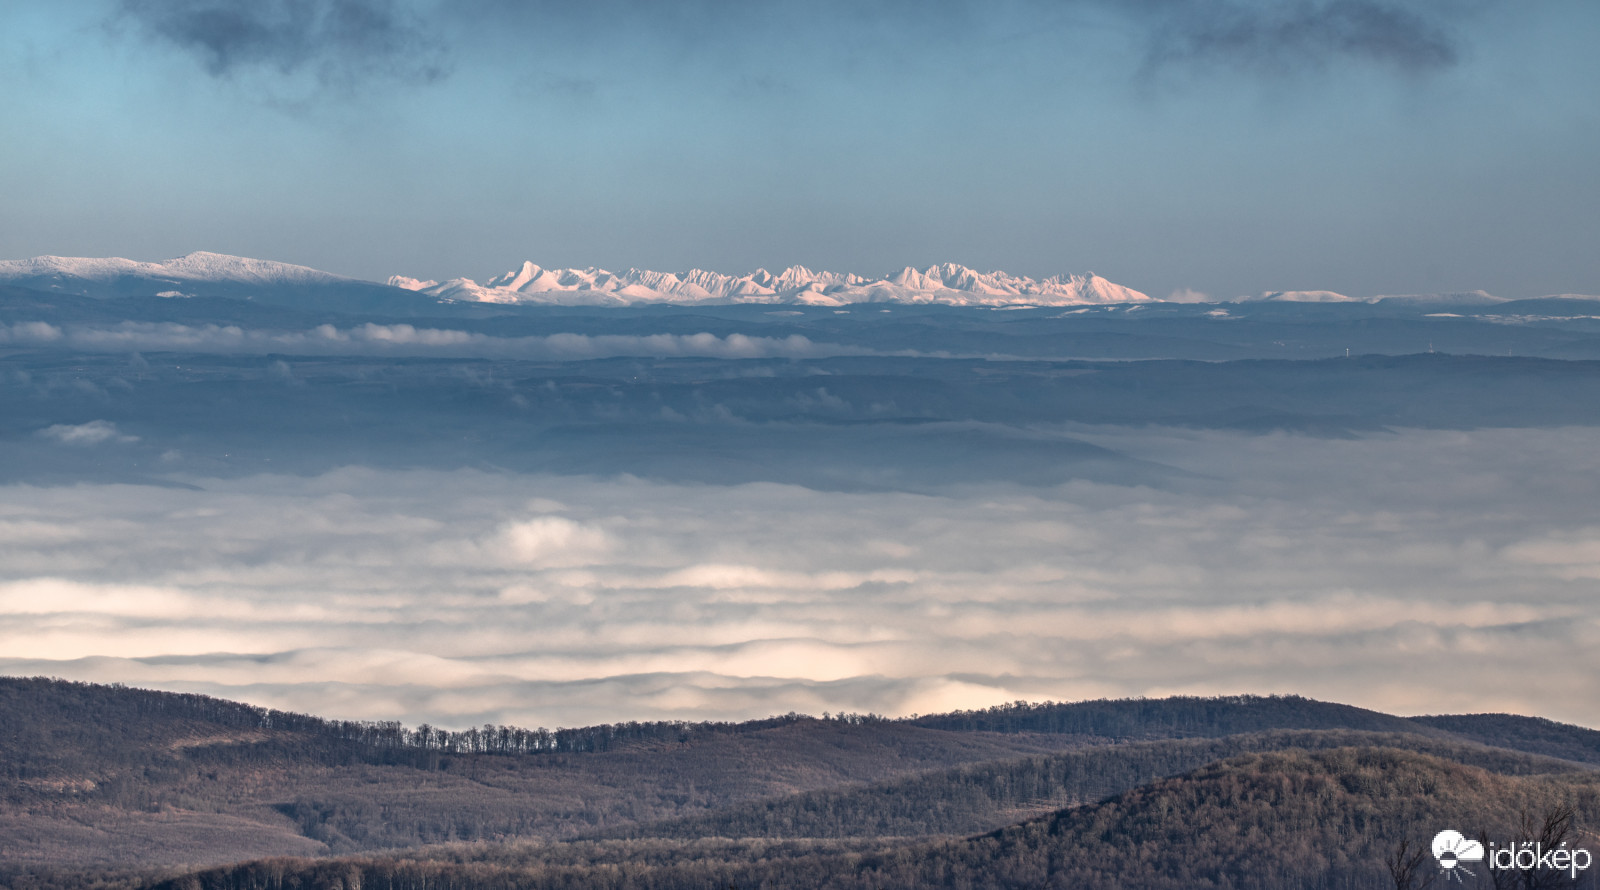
x=95 y=432
x=1420 y=572
x=403 y=340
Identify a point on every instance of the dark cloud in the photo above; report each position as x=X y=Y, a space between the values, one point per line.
x=338 y=42
x=1261 y=34
x=350 y=42
x=1275 y=38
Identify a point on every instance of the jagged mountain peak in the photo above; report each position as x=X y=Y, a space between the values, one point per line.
x=947 y=283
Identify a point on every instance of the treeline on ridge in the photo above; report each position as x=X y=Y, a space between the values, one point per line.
x=48 y=712
x=60 y=704
x=1167 y=718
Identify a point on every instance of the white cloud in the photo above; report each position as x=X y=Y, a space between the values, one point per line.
x=30 y=332
x=550 y=541
x=95 y=432
x=405 y=339
x=1574 y=553
x=1426 y=571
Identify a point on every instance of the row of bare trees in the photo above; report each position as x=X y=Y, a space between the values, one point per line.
x=1413 y=867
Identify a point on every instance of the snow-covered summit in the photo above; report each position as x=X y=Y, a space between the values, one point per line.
x=947 y=283
x=198 y=266
x=205 y=274
x=1476 y=297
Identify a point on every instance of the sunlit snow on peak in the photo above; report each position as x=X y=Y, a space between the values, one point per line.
x=946 y=283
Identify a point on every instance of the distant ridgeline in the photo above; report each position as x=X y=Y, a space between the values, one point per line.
x=39 y=703
x=117 y=788
x=34 y=707
x=1177 y=717
x=243 y=277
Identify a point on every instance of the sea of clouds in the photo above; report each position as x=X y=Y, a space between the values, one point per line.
x=1414 y=572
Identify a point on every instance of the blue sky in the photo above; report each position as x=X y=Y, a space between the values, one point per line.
x=1224 y=146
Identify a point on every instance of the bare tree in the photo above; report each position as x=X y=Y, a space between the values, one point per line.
x=1553 y=830
x=1501 y=879
x=1549 y=831
x=1405 y=865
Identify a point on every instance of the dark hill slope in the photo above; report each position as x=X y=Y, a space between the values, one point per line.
x=1285 y=819
x=982 y=797
x=1272 y=820
x=1535 y=735
x=100 y=774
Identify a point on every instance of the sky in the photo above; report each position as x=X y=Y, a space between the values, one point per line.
x=1413 y=572
x=1224 y=147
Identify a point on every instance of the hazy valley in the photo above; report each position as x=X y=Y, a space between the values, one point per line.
x=401 y=511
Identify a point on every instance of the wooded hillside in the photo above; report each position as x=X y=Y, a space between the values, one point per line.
x=119 y=788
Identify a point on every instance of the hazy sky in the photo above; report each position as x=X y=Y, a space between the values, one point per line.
x=1228 y=146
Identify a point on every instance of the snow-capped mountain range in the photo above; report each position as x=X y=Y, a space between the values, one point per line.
x=215 y=274
x=532 y=284
x=948 y=284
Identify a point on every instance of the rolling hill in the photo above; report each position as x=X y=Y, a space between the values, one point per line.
x=130 y=787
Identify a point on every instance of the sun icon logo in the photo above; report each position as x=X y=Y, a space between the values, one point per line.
x=1451 y=848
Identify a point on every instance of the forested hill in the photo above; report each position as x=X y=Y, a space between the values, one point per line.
x=982 y=797
x=1532 y=734
x=1174 y=718
x=1274 y=820
x=48 y=717
x=55 y=718
x=1350 y=818
x=95 y=777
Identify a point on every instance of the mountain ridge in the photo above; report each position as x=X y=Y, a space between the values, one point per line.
x=200 y=265
x=1462 y=298
x=204 y=273
x=944 y=283
x=531 y=284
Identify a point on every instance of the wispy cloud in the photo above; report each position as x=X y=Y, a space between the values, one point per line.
x=405 y=339
x=95 y=432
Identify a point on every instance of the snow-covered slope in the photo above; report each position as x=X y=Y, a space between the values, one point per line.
x=1466 y=298
x=1303 y=296
x=197 y=266
x=948 y=284
x=1476 y=297
x=204 y=274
